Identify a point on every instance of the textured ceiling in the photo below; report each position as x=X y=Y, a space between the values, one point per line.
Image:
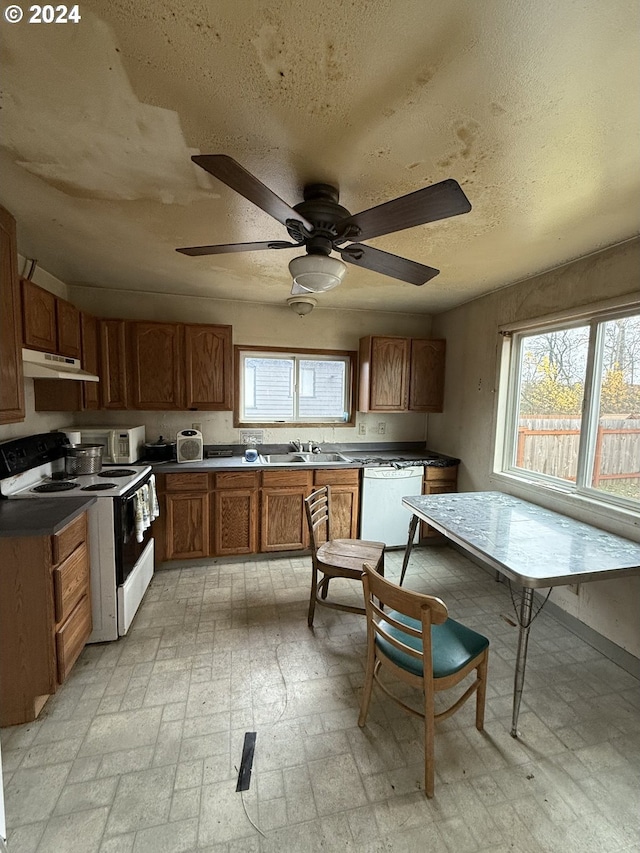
x=532 y=107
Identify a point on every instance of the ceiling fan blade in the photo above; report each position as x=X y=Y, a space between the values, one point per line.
x=227 y=248
x=387 y=264
x=231 y=173
x=439 y=201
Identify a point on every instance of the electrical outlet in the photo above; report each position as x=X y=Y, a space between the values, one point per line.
x=251 y=436
x=362 y=429
x=197 y=425
x=382 y=428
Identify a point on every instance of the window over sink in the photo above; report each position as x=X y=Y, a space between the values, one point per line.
x=294 y=386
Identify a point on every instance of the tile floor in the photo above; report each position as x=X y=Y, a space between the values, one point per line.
x=139 y=750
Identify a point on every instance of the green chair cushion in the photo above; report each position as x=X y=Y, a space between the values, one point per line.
x=453 y=645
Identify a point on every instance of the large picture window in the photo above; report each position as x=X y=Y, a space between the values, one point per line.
x=573 y=415
x=294 y=387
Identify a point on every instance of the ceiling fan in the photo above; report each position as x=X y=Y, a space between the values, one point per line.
x=322 y=225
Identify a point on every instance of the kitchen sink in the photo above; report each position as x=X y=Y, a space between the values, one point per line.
x=303 y=458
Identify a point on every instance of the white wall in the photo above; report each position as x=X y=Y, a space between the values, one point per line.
x=466 y=427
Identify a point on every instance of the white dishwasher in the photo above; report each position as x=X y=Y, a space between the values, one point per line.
x=383 y=518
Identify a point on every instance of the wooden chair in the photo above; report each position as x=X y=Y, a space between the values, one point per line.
x=413 y=639
x=335 y=558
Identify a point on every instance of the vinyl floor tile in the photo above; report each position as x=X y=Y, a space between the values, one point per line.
x=139 y=751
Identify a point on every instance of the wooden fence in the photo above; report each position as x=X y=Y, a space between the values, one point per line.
x=550 y=446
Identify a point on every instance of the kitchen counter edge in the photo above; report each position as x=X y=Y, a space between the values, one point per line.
x=43 y=517
x=237 y=463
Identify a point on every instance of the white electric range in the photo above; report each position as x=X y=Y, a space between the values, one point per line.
x=121 y=552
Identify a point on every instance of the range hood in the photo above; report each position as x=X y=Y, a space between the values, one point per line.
x=45 y=365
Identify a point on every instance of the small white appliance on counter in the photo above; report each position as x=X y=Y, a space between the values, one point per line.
x=122 y=445
x=189 y=446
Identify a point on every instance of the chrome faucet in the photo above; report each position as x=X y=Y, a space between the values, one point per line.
x=296 y=444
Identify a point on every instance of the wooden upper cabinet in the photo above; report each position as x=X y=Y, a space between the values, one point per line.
x=113 y=360
x=38 y=317
x=49 y=324
x=208 y=381
x=426 y=375
x=11 y=379
x=156 y=365
x=68 y=329
x=90 y=360
x=384 y=368
x=401 y=374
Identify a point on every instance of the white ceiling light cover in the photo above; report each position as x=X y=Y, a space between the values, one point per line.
x=317 y=273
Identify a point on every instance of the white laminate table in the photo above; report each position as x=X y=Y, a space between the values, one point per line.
x=533 y=546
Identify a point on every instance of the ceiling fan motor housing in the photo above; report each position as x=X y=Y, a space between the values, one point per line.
x=320 y=207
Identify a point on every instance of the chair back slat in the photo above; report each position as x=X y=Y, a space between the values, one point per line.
x=410 y=603
x=318 y=511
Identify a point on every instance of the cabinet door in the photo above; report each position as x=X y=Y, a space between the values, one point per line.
x=186 y=525
x=426 y=383
x=235 y=522
x=11 y=379
x=437 y=481
x=156 y=366
x=345 y=499
x=113 y=376
x=283 y=521
x=90 y=390
x=208 y=367
x=68 y=329
x=344 y=512
x=388 y=374
x=38 y=317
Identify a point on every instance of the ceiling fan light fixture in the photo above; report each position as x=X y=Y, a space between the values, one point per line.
x=302 y=305
x=317 y=273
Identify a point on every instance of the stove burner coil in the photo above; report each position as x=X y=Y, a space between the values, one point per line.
x=62 y=486
x=98 y=487
x=117 y=472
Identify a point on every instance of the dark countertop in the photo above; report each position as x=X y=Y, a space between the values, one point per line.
x=356 y=452
x=41 y=517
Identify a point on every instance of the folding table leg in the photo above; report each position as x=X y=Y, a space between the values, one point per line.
x=412 y=532
x=521 y=659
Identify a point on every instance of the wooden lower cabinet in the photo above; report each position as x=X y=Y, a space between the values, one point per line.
x=234 y=520
x=45 y=616
x=345 y=500
x=186 y=525
x=437 y=481
x=283 y=525
x=230 y=513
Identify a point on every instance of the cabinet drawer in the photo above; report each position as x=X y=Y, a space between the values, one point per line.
x=72 y=636
x=302 y=478
x=237 y=480
x=433 y=473
x=337 y=477
x=186 y=482
x=70 y=581
x=67 y=540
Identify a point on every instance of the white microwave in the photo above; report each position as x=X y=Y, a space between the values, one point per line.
x=122 y=445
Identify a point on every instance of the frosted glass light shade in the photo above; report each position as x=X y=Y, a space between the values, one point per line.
x=317 y=273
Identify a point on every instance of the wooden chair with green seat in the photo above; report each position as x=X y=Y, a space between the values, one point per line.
x=335 y=558
x=413 y=639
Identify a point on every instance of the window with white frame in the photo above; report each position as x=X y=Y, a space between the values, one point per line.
x=286 y=387
x=573 y=412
